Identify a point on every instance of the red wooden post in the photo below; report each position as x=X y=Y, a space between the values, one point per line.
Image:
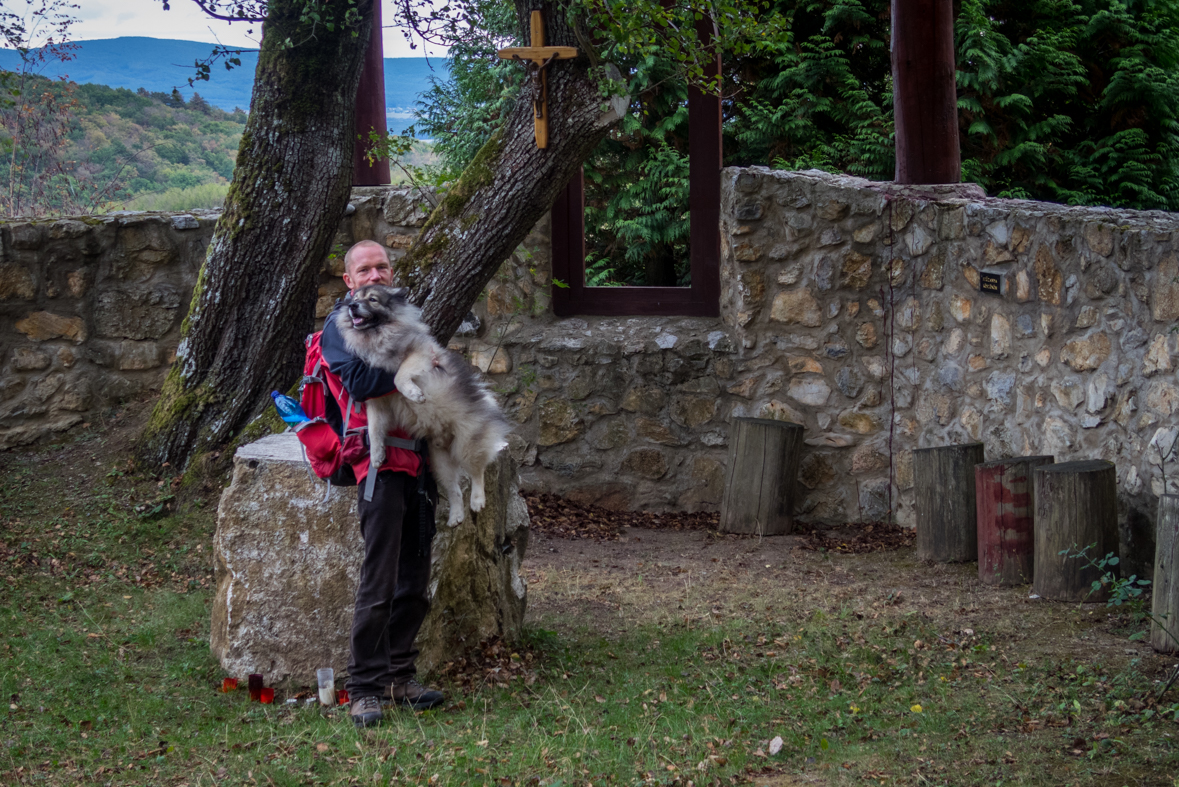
x=705 y=160
x=1006 y=513
x=370 y=109
x=925 y=96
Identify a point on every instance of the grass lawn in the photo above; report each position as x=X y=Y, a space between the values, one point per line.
x=816 y=669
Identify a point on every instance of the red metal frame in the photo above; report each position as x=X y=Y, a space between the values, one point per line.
x=702 y=299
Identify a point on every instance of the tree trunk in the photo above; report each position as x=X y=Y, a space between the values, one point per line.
x=943 y=496
x=254 y=298
x=763 y=468
x=1004 y=497
x=510 y=183
x=1076 y=512
x=1164 y=607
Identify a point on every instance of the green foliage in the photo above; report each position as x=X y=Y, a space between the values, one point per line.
x=636 y=187
x=205 y=195
x=636 y=180
x=1121 y=590
x=1072 y=101
x=461 y=113
x=820 y=98
x=411 y=161
x=143 y=146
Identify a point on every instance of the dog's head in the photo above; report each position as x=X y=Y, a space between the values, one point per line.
x=376 y=305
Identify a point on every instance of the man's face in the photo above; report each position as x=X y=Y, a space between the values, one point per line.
x=368 y=265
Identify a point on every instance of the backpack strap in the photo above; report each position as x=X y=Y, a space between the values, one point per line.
x=417 y=446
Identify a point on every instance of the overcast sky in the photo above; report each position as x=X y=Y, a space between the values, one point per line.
x=185 y=21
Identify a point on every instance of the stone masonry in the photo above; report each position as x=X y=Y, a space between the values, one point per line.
x=850 y=307
x=91 y=306
x=90 y=310
x=867 y=297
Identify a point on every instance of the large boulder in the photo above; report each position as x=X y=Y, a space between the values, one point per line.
x=288 y=559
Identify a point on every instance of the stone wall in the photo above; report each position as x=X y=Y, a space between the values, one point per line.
x=90 y=307
x=850 y=307
x=869 y=296
x=90 y=312
x=855 y=309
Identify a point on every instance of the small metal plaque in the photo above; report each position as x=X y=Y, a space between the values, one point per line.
x=990 y=282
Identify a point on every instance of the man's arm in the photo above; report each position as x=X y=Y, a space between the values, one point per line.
x=360 y=380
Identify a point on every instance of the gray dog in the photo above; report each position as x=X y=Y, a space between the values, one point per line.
x=439 y=397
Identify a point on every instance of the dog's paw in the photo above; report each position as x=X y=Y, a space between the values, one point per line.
x=478 y=499
x=413 y=393
x=456 y=517
x=377 y=456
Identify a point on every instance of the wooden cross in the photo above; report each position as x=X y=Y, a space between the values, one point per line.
x=539 y=56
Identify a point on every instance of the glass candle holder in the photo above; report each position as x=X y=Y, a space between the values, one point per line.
x=228 y=684
x=326 y=679
x=255 y=687
x=266 y=695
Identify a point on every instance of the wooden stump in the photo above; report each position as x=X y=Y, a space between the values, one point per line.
x=1076 y=509
x=1003 y=496
x=763 y=466
x=1164 y=607
x=943 y=480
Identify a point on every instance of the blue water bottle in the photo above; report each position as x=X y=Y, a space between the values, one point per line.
x=288 y=409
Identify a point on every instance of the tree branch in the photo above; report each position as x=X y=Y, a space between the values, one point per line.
x=208 y=8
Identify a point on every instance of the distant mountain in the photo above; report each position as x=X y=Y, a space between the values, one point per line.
x=159 y=65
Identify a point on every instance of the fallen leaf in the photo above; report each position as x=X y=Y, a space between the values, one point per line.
x=321 y=747
x=776 y=745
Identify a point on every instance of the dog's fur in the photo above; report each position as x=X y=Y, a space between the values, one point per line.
x=439 y=397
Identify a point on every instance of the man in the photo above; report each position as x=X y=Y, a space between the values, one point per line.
x=392 y=598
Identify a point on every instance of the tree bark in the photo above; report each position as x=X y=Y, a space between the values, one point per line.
x=255 y=295
x=511 y=183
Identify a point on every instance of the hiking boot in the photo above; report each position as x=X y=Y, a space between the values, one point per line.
x=366 y=711
x=415 y=695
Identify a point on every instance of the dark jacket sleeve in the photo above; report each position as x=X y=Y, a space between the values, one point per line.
x=360 y=380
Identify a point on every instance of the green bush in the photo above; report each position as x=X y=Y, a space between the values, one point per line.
x=205 y=195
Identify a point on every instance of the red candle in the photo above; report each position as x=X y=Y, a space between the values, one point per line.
x=267 y=696
x=255 y=687
x=228 y=684
x=342 y=696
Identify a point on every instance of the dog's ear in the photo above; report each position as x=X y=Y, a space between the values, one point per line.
x=399 y=294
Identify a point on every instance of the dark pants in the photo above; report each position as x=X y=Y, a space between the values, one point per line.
x=392 y=598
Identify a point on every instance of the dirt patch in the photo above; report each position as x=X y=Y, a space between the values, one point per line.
x=701 y=577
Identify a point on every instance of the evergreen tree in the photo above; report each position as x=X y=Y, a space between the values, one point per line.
x=198 y=104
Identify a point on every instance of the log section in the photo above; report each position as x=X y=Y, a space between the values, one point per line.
x=763 y=466
x=1076 y=509
x=1003 y=499
x=947 y=530
x=1164 y=607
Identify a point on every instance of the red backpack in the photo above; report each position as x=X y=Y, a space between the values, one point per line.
x=331 y=449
